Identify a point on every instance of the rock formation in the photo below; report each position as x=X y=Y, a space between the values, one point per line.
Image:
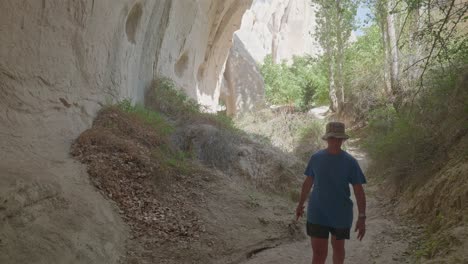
x=278 y=27
x=243 y=87
x=61 y=61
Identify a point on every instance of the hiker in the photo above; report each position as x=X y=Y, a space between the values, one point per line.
x=330 y=209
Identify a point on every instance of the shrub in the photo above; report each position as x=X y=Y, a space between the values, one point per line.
x=401 y=144
x=310 y=139
x=364 y=73
x=150 y=117
x=166 y=98
x=302 y=84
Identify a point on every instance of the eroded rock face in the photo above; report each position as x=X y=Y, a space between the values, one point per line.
x=61 y=61
x=243 y=89
x=196 y=45
x=278 y=27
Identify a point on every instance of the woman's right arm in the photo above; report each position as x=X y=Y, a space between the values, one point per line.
x=306 y=186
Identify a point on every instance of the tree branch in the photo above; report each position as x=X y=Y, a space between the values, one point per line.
x=434 y=44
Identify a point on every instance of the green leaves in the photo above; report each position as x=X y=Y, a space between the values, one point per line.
x=298 y=84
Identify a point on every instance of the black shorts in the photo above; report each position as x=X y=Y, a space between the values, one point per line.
x=320 y=231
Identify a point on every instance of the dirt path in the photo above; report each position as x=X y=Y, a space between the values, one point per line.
x=385 y=241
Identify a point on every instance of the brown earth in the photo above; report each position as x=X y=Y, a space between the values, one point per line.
x=184 y=204
x=178 y=209
x=386 y=242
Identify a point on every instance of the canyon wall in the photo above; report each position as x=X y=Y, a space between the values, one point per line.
x=277 y=27
x=281 y=28
x=243 y=88
x=60 y=62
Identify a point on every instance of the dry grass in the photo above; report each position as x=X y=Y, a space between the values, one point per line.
x=296 y=133
x=421 y=155
x=161 y=164
x=151 y=193
x=165 y=98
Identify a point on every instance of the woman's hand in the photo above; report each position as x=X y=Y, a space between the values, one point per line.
x=299 y=211
x=360 y=227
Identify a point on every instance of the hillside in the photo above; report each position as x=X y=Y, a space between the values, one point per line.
x=191 y=189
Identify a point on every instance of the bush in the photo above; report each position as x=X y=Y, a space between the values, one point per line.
x=302 y=84
x=364 y=73
x=310 y=140
x=399 y=147
x=152 y=118
x=401 y=144
x=311 y=76
x=166 y=98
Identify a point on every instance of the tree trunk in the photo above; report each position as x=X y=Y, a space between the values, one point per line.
x=339 y=56
x=393 y=48
x=387 y=57
x=334 y=104
x=414 y=70
x=330 y=49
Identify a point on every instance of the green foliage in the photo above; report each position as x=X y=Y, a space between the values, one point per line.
x=434 y=243
x=311 y=76
x=432 y=247
x=281 y=86
x=170 y=159
x=382 y=119
x=364 y=69
x=313 y=129
x=301 y=84
x=335 y=21
x=150 y=117
x=165 y=97
x=401 y=143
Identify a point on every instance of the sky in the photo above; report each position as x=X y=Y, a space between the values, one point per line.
x=361 y=15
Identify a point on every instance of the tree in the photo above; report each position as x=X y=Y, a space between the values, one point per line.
x=364 y=72
x=392 y=46
x=300 y=84
x=418 y=34
x=335 y=21
x=386 y=16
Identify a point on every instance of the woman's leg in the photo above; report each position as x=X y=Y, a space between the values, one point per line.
x=319 y=250
x=338 y=250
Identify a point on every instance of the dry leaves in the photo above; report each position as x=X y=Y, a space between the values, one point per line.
x=153 y=200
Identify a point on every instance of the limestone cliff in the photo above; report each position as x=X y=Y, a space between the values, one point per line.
x=243 y=88
x=278 y=27
x=60 y=62
x=281 y=28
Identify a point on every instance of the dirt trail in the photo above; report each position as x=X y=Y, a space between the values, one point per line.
x=385 y=241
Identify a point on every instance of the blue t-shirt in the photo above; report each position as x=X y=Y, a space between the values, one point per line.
x=330 y=203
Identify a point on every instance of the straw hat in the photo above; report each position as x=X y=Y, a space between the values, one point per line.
x=335 y=130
